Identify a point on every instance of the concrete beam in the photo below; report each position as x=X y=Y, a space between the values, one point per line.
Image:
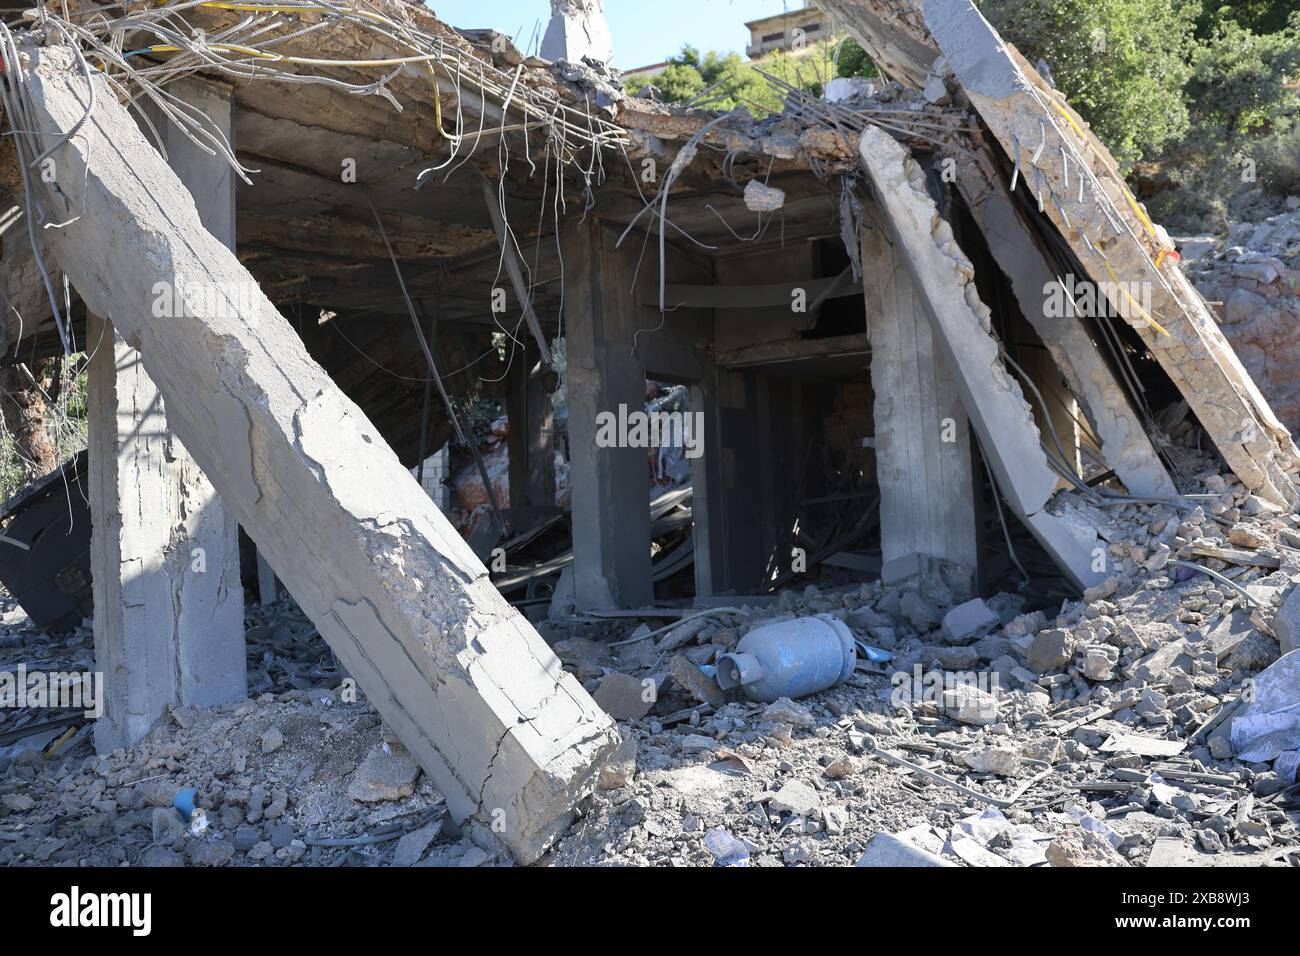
x=510 y=739
x=611 y=492
x=893 y=34
x=1004 y=422
x=923 y=460
x=1074 y=178
x=1124 y=442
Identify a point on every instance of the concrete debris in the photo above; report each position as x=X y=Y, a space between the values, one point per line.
x=887 y=850
x=577 y=31
x=388 y=773
x=624 y=697
x=763 y=198
x=774 y=573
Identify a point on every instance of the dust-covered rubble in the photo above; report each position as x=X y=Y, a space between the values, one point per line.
x=985 y=732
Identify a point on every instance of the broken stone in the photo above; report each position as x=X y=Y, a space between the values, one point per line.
x=965 y=622
x=786 y=711
x=1098 y=662
x=795 y=797
x=216 y=853
x=887 y=850
x=624 y=697
x=620 y=767
x=410 y=848
x=1079 y=847
x=697 y=743
x=1100 y=591
x=1003 y=761
x=272 y=740
x=384 y=776
x=1050 y=650
x=695 y=682
x=970 y=705
x=245 y=838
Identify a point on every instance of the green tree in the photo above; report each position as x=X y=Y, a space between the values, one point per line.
x=1257 y=16
x=1121 y=63
x=852 y=60
x=731 y=81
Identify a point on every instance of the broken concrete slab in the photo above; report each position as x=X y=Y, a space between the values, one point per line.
x=624 y=697
x=387 y=773
x=1124 y=442
x=1121 y=249
x=463 y=679
x=885 y=849
x=993 y=401
x=967 y=621
x=1051 y=649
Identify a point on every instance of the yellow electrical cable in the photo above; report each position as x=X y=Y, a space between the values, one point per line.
x=1132 y=301
x=273 y=8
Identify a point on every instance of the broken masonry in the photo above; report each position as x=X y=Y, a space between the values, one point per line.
x=888 y=397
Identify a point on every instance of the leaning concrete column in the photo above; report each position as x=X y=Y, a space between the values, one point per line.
x=1124 y=442
x=923 y=460
x=944 y=281
x=611 y=487
x=1118 y=245
x=169 y=608
x=509 y=738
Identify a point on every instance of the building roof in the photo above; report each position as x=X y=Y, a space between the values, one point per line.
x=777 y=17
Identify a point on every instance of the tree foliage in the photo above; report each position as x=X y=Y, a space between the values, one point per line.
x=732 y=81
x=1196 y=89
x=1121 y=63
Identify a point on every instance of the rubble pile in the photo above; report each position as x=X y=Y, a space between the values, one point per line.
x=983 y=732
x=1094 y=736
x=1254 y=272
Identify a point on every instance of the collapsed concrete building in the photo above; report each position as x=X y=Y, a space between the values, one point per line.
x=289 y=237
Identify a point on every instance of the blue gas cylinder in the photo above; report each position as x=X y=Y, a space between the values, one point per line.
x=791 y=658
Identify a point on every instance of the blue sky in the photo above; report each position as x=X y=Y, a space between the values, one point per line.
x=644 y=32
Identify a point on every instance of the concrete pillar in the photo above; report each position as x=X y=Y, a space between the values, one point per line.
x=923 y=455
x=267 y=588
x=507 y=736
x=610 y=486
x=962 y=331
x=727 y=482
x=169 y=608
x=532 y=433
